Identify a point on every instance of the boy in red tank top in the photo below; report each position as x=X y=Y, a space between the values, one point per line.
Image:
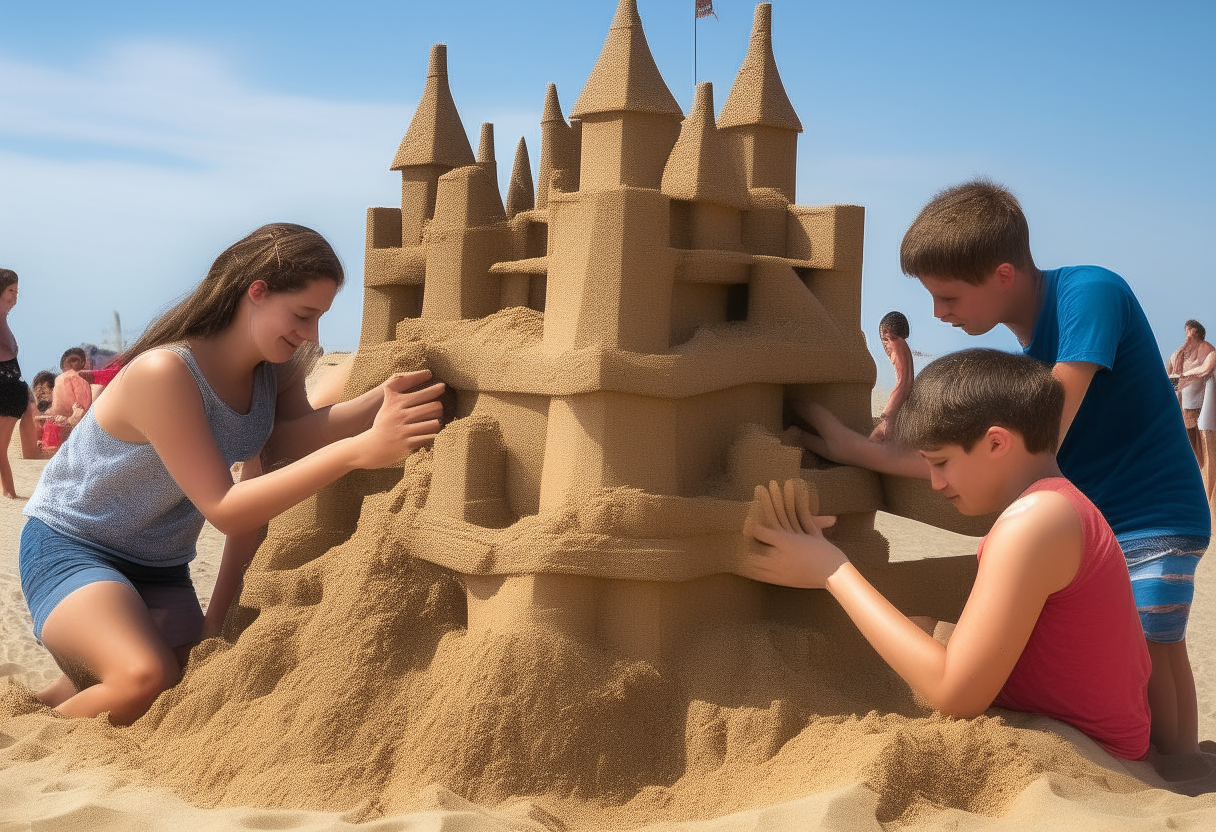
x=1050 y=626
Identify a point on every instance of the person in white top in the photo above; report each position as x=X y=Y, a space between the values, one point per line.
x=1193 y=363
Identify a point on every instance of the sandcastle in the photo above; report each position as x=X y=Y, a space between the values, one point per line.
x=669 y=297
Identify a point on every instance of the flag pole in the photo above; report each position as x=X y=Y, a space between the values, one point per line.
x=694 y=46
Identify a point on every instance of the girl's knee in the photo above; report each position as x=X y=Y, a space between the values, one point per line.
x=147 y=677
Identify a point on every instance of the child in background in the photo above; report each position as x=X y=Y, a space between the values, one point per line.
x=1050 y=626
x=893 y=331
x=43 y=387
x=1122 y=441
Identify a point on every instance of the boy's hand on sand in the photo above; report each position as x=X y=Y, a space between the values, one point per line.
x=404 y=423
x=835 y=440
x=797 y=554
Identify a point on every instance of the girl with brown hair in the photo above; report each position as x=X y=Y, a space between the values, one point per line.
x=115 y=518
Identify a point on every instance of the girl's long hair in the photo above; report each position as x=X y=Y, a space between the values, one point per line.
x=286 y=256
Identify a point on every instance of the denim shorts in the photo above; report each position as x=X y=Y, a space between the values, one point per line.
x=1162 y=569
x=53 y=566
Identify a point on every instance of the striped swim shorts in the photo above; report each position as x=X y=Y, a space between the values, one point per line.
x=1162 y=569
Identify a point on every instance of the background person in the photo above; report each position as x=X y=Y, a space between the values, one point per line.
x=1193 y=363
x=1206 y=429
x=893 y=331
x=15 y=397
x=71 y=398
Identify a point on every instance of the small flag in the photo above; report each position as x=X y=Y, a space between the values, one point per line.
x=704 y=8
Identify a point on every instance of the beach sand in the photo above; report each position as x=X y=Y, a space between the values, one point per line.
x=1012 y=772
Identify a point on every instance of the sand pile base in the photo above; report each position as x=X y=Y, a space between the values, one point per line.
x=350 y=684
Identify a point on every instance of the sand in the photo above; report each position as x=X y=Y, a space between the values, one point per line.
x=396 y=719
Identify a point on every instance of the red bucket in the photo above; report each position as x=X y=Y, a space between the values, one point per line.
x=51 y=436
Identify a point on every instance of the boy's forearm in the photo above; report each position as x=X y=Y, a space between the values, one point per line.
x=890 y=459
x=910 y=651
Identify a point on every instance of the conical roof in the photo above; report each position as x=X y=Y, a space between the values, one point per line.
x=521 y=195
x=485 y=145
x=553 y=109
x=435 y=135
x=625 y=77
x=700 y=166
x=758 y=96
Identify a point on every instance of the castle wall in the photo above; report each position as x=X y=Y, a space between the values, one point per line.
x=610 y=271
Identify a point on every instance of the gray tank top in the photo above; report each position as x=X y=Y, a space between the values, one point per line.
x=118 y=496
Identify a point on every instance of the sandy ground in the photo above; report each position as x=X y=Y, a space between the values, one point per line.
x=38 y=795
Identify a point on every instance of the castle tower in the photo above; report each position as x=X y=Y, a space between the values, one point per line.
x=559 y=149
x=759 y=117
x=609 y=280
x=471 y=236
x=630 y=118
x=521 y=196
x=707 y=201
x=760 y=120
x=434 y=144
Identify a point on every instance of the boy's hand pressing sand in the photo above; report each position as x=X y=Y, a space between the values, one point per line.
x=798 y=554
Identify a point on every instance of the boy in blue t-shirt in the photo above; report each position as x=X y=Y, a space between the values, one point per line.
x=1122 y=441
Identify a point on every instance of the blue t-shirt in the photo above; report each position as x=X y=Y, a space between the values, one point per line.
x=1127 y=448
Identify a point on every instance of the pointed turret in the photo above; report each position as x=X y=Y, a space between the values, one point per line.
x=630 y=118
x=759 y=117
x=485 y=146
x=559 y=148
x=700 y=167
x=758 y=95
x=520 y=193
x=435 y=135
x=434 y=144
x=626 y=78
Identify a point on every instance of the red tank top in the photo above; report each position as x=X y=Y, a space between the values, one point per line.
x=1086 y=662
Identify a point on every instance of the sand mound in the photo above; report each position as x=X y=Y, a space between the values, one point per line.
x=349 y=683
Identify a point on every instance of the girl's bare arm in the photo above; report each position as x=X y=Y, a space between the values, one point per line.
x=300 y=430
x=158 y=402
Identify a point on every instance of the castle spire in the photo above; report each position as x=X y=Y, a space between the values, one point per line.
x=553 y=108
x=520 y=193
x=435 y=135
x=558 y=146
x=625 y=77
x=700 y=166
x=758 y=96
x=485 y=146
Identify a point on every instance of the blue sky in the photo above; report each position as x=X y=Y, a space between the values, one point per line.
x=138 y=139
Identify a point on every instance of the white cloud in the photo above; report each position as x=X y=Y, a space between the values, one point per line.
x=124 y=176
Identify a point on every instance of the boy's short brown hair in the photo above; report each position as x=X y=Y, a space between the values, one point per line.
x=956 y=398
x=1198 y=327
x=965 y=232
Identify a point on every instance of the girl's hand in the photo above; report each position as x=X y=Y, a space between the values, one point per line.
x=797 y=553
x=404 y=423
x=405 y=382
